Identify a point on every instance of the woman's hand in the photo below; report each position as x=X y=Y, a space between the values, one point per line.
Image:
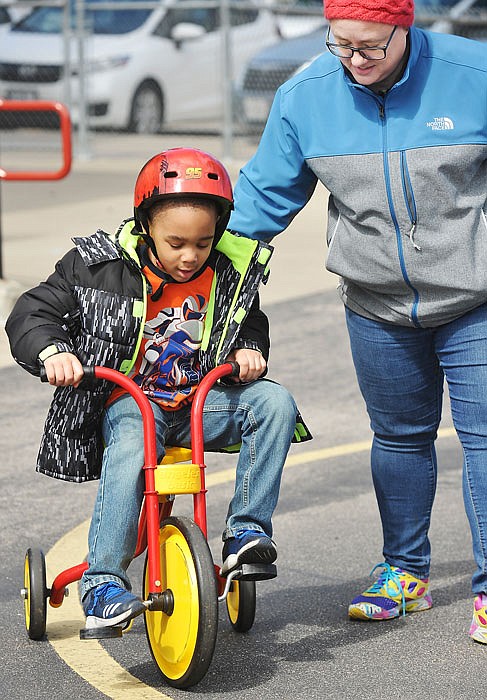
x=251 y=362
x=63 y=369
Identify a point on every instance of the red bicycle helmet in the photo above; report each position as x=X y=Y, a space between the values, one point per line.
x=182 y=171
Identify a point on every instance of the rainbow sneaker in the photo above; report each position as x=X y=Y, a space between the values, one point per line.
x=394 y=593
x=478 y=628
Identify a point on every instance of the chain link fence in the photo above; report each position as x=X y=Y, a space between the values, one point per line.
x=197 y=67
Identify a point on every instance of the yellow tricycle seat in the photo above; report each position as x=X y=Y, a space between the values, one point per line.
x=174 y=475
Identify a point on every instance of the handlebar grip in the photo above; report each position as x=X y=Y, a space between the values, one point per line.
x=235 y=369
x=88 y=375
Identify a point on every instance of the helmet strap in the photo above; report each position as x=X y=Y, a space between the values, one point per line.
x=149 y=241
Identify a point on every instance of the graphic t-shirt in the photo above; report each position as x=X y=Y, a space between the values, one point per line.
x=167 y=367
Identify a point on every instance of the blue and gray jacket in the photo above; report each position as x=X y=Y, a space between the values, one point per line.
x=406 y=173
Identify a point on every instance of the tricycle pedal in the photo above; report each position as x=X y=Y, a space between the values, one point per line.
x=256 y=572
x=100 y=632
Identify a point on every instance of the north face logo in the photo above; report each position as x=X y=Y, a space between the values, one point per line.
x=441 y=124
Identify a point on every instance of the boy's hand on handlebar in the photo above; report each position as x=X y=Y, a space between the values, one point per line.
x=252 y=364
x=63 y=369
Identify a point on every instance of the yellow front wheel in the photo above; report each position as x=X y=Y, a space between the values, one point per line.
x=240 y=602
x=183 y=640
x=35 y=593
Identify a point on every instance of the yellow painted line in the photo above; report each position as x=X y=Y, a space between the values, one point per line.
x=88 y=658
x=226 y=475
x=295 y=460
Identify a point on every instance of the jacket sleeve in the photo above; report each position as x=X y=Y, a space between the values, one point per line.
x=41 y=317
x=254 y=333
x=276 y=183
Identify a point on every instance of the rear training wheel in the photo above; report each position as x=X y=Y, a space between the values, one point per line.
x=35 y=593
x=240 y=603
x=182 y=641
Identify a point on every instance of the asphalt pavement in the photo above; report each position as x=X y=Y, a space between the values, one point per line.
x=326 y=525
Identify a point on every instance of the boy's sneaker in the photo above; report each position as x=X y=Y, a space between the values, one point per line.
x=478 y=628
x=394 y=593
x=109 y=604
x=247 y=547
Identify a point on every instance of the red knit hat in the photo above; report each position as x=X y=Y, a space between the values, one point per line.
x=400 y=12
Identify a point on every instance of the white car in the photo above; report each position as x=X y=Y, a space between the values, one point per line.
x=143 y=67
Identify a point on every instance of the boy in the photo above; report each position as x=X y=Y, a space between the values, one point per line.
x=171 y=296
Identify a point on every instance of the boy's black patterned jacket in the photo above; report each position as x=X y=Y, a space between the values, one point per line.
x=94 y=305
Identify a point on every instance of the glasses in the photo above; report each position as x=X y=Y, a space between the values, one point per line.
x=372 y=53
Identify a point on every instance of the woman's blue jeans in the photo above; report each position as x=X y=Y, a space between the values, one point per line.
x=401 y=371
x=260 y=415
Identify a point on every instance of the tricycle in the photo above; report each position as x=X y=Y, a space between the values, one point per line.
x=181 y=584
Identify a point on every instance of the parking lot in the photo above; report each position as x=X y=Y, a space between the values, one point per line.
x=326 y=526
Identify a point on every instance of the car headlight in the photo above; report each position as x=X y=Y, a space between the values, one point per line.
x=103 y=64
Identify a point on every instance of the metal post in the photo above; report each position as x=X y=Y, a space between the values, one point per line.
x=227 y=73
x=67 y=34
x=83 y=149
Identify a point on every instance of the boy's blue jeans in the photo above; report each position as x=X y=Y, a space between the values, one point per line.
x=401 y=372
x=260 y=415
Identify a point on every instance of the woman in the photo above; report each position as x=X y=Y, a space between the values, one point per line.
x=395 y=127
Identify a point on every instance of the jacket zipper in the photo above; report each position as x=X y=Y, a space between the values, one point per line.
x=410 y=206
x=127 y=365
x=231 y=307
x=142 y=323
x=409 y=198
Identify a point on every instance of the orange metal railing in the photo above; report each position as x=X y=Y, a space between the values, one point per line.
x=65 y=123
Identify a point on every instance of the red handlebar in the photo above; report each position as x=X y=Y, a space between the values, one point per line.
x=150 y=451
x=150 y=463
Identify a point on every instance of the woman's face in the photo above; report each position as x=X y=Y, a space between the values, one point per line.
x=348 y=32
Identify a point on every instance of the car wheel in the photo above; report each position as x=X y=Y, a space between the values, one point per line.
x=147 y=111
